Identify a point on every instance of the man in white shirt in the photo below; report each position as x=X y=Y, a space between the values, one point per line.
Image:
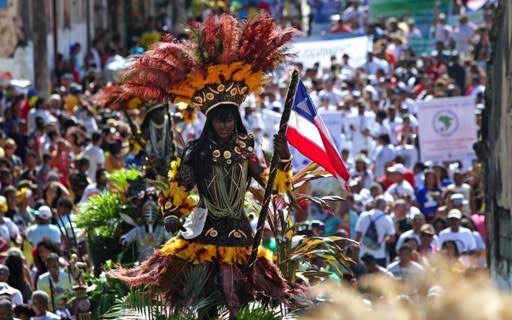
x=56 y=283
x=6 y=289
x=401 y=187
x=8 y=229
x=43 y=229
x=94 y=154
x=355 y=12
x=373 y=268
x=458 y=185
x=331 y=93
x=463 y=35
x=39 y=111
x=414 y=32
x=346 y=69
x=358 y=123
x=441 y=31
x=385 y=231
x=418 y=220
x=405 y=268
x=463 y=237
x=383 y=154
x=97 y=187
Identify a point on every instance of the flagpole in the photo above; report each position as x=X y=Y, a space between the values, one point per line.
x=273 y=169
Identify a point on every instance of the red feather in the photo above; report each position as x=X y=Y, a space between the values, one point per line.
x=230 y=37
x=108 y=97
x=220 y=39
x=145 y=91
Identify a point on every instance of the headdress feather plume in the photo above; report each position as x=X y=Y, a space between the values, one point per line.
x=225 y=61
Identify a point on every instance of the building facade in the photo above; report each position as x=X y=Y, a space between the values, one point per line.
x=495 y=148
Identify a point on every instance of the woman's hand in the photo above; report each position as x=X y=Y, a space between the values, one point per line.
x=173 y=224
x=281 y=147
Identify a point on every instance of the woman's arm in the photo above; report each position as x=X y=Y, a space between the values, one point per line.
x=260 y=173
x=176 y=201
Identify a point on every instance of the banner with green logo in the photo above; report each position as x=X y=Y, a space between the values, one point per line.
x=422 y=11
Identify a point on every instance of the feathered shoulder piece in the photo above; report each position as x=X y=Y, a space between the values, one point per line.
x=224 y=61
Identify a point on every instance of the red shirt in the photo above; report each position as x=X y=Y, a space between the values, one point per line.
x=386 y=182
x=24 y=109
x=409 y=177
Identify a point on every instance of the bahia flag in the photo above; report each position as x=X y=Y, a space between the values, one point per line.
x=308 y=134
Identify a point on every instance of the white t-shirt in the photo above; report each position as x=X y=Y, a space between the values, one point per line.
x=464 y=189
x=60 y=289
x=442 y=32
x=384 y=225
x=462 y=37
x=36 y=233
x=334 y=96
x=410 y=154
x=411 y=234
x=35 y=113
x=89 y=191
x=401 y=272
x=463 y=238
x=96 y=160
x=383 y=155
x=399 y=189
x=15 y=294
x=9 y=230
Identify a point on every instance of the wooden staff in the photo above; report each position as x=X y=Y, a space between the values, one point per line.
x=273 y=169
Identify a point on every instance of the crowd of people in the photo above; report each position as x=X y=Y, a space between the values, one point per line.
x=56 y=152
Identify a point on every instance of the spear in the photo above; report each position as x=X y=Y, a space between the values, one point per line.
x=273 y=169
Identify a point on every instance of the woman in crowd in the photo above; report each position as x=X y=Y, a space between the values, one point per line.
x=428 y=196
x=19 y=276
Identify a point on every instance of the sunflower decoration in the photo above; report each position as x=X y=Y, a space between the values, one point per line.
x=187 y=113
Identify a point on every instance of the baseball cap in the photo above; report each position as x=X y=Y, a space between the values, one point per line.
x=428 y=229
x=362 y=157
x=455 y=214
x=415 y=212
x=397 y=168
x=44 y=212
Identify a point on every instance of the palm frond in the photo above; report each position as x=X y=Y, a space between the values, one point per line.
x=327 y=249
x=120 y=179
x=100 y=214
x=142 y=304
x=138 y=304
x=259 y=313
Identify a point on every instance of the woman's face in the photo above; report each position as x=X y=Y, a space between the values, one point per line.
x=51 y=194
x=430 y=180
x=223 y=128
x=450 y=250
x=44 y=253
x=426 y=239
x=360 y=166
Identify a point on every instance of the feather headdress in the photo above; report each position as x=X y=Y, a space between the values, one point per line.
x=224 y=61
x=115 y=97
